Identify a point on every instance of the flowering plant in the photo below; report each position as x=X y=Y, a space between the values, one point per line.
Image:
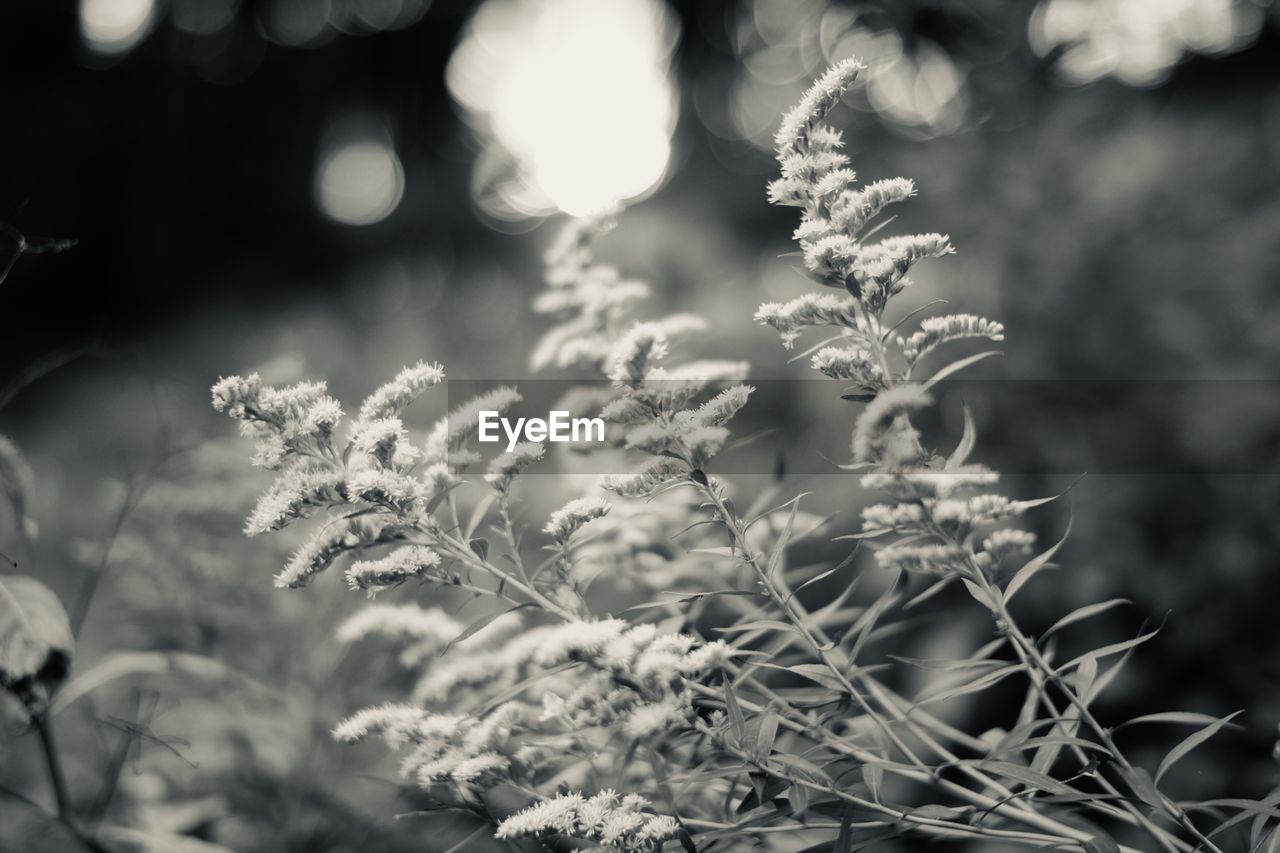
x=549 y=720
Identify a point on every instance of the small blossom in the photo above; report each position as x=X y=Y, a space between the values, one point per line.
x=397 y=567
x=789 y=319
x=392 y=398
x=505 y=467
x=379 y=438
x=646 y=481
x=882 y=434
x=851 y=364
x=295 y=494
x=853 y=209
x=566 y=521
x=933 y=559
x=617 y=822
x=1009 y=544
x=400 y=622
x=825 y=93
x=935 y=331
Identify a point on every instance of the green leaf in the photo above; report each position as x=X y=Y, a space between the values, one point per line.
x=480 y=547
x=805 y=766
x=765 y=734
x=1086 y=677
x=957 y=366
x=478 y=513
x=978 y=684
x=844 y=840
x=758 y=625
x=1101 y=844
x=36 y=643
x=815 y=672
x=936 y=812
x=1034 y=565
x=1180 y=751
x=1083 y=613
x=1189 y=718
x=1104 y=651
x=481 y=623
x=1026 y=776
x=734 y=712
x=873 y=775
x=780 y=546
x=980 y=595
x=1139 y=781
x=1051 y=740
x=689 y=597
x=967 y=441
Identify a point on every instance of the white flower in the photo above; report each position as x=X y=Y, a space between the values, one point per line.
x=566 y=521
x=400 y=565
x=392 y=398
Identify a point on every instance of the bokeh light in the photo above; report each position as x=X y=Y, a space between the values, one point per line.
x=783 y=44
x=113 y=27
x=573 y=99
x=1138 y=41
x=359 y=180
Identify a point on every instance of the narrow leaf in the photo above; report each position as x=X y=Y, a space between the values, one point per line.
x=1180 y=751
x=1084 y=613
x=1034 y=565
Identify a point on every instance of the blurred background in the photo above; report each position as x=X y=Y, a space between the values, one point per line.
x=335 y=188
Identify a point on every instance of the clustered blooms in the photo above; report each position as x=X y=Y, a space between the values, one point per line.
x=589 y=299
x=539 y=691
x=633 y=675
x=657 y=409
x=446 y=444
x=505 y=467
x=402 y=564
x=613 y=821
x=935 y=331
x=472 y=752
x=816 y=179
x=425 y=631
x=368 y=484
x=647 y=658
x=940 y=502
x=652 y=402
x=567 y=520
x=392 y=399
x=642 y=673
x=380 y=488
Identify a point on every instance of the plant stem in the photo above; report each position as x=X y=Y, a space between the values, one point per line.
x=44 y=729
x=1018 y=810
x=931 y=826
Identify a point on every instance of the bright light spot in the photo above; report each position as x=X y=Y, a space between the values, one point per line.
x=1138 y=41
x=359 y=182
x=576 y=93
x=922 y=89
x=114 y=26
